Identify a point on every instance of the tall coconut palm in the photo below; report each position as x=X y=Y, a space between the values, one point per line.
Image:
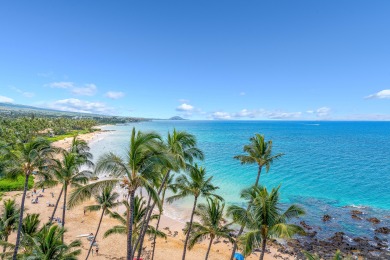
x=68 y=172
x=265 y=219
x=9 y=220
x=258 y=152
x=106 y=200
x=139 y=213
x=211 y=225
x=133 y=172
x=182 y=146
x=197 y=185
x=47 y=245
x=168 y=185
x=29 y=157
x=79 y=147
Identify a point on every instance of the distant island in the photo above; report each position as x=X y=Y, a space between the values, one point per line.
x=177 y=118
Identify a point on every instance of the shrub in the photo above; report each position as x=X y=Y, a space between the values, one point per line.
x=7 y=184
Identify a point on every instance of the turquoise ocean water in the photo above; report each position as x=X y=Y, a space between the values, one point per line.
x=328 y=167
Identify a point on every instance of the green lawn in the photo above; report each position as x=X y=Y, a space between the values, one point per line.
x=18 y=184
x=70 y=134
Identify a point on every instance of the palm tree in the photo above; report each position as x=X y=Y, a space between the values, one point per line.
x=197 y=185
x=212 y=224
x=168 y=185
x=106 y=200
x=68 y=172
x=9 y=220
x=47 y=245
x=140 y=211
x=182 y=146
x=29 y=157
x=136 y=171
x=79 y=147
x=264 y=219
x=29 y=229
x=257 y=152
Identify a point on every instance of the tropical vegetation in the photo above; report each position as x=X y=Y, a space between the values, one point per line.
x=154 y=171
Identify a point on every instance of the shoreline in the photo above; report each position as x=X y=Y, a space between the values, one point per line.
x=114 y=247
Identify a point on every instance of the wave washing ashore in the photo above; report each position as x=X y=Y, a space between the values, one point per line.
x=338 y=171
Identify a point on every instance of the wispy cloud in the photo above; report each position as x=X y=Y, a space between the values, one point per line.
x=24 y=93
x=114 y=94
x=323 y=112
x=242 y=93
x=77 y=105
x=87 y=90
x=253 y=114
x=6 y=99
x=220 y=115
x=383 y=94
x=61 y=84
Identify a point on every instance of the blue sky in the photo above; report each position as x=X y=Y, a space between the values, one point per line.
x=291 y=60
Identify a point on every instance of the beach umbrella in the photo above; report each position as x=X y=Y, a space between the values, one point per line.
x=238 y=256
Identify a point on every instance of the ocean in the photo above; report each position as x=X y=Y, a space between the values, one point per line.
x=328 y=167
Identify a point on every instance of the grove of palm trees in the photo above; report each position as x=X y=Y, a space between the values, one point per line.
x=121 y=199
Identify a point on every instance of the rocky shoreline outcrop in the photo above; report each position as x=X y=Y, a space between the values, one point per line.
x=360 y=247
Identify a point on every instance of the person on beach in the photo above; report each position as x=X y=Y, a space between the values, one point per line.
x=92 y=251
x=97 y=251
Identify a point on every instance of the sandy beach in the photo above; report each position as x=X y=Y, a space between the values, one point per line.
x=114 y=247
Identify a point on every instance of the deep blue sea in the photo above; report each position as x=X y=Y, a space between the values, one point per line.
x=328 y=167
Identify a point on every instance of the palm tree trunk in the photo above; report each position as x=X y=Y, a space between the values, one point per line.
x=97 y=231
x=14 y=256
x=158 y=220
x=243 y=226
x=130 y=220
x=264 y=243
x=64 y=209
x=140 y=240
x=258 y=175
x=189 y=229
x=208 y=250
x=55 y=208
x=149 y=215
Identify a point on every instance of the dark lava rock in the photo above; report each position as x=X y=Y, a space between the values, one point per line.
x=383 y=230
x=374 y=220
x=306 y=226
x=356 y=212
x=326 y=218
x=355 y=217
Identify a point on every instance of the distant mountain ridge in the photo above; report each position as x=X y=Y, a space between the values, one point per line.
x=17 y=110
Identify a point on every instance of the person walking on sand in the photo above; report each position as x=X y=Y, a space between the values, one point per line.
x=92 y=251
x=97 y=251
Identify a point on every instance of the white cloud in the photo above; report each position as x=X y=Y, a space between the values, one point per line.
x=24 y=93
x=262 y=113
x=114 y=95
x=220 y=116
x=383 y=94
x=6 y=99
x=322 y=112
x=185 y=108
x=242 y=93
x=61 y=84
x=87 y=90
x=77 y=105
x=310 y=111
